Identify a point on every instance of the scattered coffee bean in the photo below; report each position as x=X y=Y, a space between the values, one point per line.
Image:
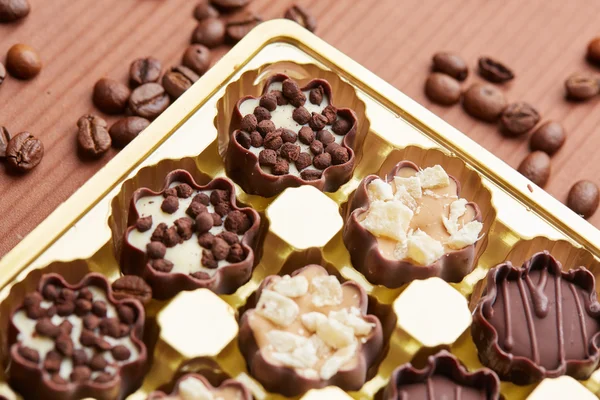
x=450 y=64
x=13 y=10
x=239 y=25
x=536 y=167
x=132 y=287
x=2 y=72
x=581 y=87
x=549 y=137
x=144 y=70
x=111 y=96
x=204 y=10
x=149 y=100
x=210 y=32
x=484 y=102
x=178 y=79
x=197 y=58
x=23 y=62
x=301 y=16
x=229 y=5
x=24 y=152
x=92 y=136
x=494 y=71
x=442 y=89
x=593 y=51
x=126 y=129
x=519 y=118
x=583 y=198
x=4 y=139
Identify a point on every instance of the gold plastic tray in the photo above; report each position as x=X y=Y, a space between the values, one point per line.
x=196 y=331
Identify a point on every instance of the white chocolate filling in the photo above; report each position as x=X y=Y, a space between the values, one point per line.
x=191 y=388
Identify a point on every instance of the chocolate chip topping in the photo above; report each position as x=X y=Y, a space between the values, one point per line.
x=156 y=250
x=170 y=205
x=159 y=232
x=208 y=259
x=185 y=227
x=201 y=198
x=261 y=114
x=268 y=101
x=171 y=237
x=184 y=190
x=99 y=308
x=256 y=140
x=45 y=327
x=53 y=361
x=65 y=308
x=304 y=160
x=288 y=136
x=339 y=155
x=82 y=307
x=317 y=121
x=316 y=95
x=204 y=222
x=29 y=354
x=281 y=167
x=50 y=292
x=81 y=373
x=121 y=353
x=341 y=127
x=79 y=357
x=237 y=222
x=322 y=161
x=236 y=253
x=330 y=112
x=64 y=344
x=229 y=237
x=220 y=249
x=170 y=192
x=249 y=123
x=98 y=362
x=325 y=137
x=243 y=138
x=206 y=240
x=196 y=208
x=301 y=115
x=103 y=377
x=91 y=322
x=292 y=93
x=126 y=314
x=289 y=151
x=281 y=100
x=316 y=147
x=219 y=196
x=144 y=223
x=217 y=220
x=273 y=140
x=265 y=127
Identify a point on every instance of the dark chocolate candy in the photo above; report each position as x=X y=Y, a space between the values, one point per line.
x=242 y=392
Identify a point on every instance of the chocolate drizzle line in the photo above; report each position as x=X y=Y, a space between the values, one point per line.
x=530 y=324
x=581 y=318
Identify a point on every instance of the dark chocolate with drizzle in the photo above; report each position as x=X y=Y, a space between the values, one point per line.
x=444 y=377
x=538 y=321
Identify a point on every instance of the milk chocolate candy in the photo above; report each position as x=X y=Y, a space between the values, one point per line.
x=174 y=254
x=310 y=107
x=195 y=386
x=538 y=321
x=308 y=331
x=46 y=348
x=444 y=377
x=411 y=224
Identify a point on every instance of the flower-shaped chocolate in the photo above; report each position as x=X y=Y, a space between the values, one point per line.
x=76 y=341
x=194 y=386
x=289 y=137
x=444 y=377
x=411 y=225
x=309 y=331
x=188 y=236
x=538 y=321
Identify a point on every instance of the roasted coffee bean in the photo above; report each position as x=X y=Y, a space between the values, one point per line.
x=132 y=287
x=13 y=10
x=24 y=152
x=92 y=137
x=549 y=137
x=229 y=5
x=2 y=71
x=111 y=96
x=593 y=51
x=484 y=102
x=178 y=79
x=23 y=62
x=149 y=100
x=240 y=25
x=536 y=167
x=519 y=118
x=442 y=89
x=210 y=32
x=144 y=70
x=126 y=129
x=204 y=10
x=494 y=71
x=583 y=198
x=197 y=58
x=301 y=16
x=581 y=87
x=4 y=139
x=450 y=64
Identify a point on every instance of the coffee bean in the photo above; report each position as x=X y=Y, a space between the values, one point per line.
x=12 y=10
x=549 y=137
x=494 y=71
x=132 y=287
x=111 y=96
x=581 y=87
x=178 y=79
x=93 y=137
x=197 y=58
x=301 y=16
x=23 y=62
x=450 y=64
x=484 y=102
x=229 y=5
x=24 y=152
x=2 y=72
x=4 y=139
x=239 y=25
x=583 y=198
x=210 y=32
x=144 y=70
x=442 y=89
x=204 y=10
x=593 y=51
x=149 y=100
x=126 y=129
x=518 y=118
x=536 y=167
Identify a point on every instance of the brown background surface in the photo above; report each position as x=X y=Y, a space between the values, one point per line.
x=82 y=40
